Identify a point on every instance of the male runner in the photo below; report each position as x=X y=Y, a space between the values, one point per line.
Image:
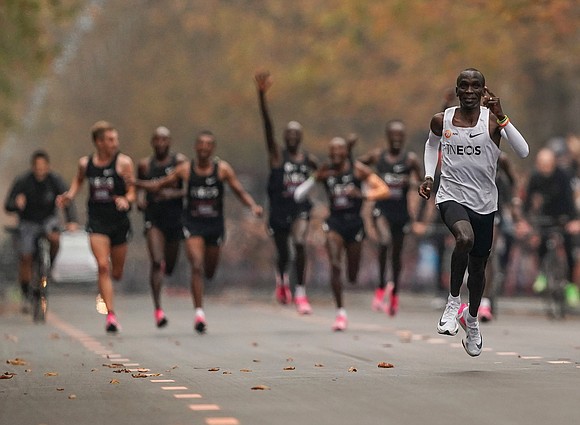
x=289 y=167
x=204 y=217
x=111 y=193
x=396 y=166
x=470 y=135
x=344 y=227
x=33 y=197
x=163 y=212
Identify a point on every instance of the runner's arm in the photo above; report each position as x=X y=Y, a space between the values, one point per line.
x=228 y=174
x=263 y=83
x=70 y=211
x=375 y=188
x=64 y=199
x=15 y=190
x=370 y=158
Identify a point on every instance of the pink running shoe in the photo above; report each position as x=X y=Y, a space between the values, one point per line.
x=112 y=326
x=460 y=317
x=378 y=303
x=280 y=294
x=484 y=313
x=160 y=318
x=199 y=324
x=393 y=307
x=302 y=305
x=287 y=293
x=340 y=323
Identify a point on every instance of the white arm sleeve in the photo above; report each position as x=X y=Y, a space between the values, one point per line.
x=304 y=189
x=516 y=140
x=431 y=154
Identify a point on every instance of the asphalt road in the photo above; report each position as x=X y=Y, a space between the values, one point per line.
x=529 y=373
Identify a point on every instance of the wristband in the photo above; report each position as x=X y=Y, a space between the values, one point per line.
x=503 y=122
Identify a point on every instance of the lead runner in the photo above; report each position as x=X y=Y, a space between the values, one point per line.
x=469 y=136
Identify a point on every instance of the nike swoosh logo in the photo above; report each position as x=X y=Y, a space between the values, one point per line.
x=442 y=323
x=471 y=136
x=479 y=345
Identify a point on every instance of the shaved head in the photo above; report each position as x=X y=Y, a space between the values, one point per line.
x=337 y=141
x=472 y=72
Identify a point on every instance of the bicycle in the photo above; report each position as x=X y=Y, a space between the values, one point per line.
x=41 y=265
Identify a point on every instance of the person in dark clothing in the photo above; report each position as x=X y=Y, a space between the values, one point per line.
x=33 y=197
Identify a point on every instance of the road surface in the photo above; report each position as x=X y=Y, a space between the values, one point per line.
x=73 y=373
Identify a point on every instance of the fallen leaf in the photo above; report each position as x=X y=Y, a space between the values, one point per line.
x=226 y=373
x=11 y=338
x=154 y=374
x=260 y=388
x=289 y=359
x=72 y=397
x=289 y=368
x=27 y=370
x=51 y=374
x=16 y=362
x=139 y=375
x=213 y=369
x=113 y=365
x=60 y=389
x=352 y=369
x=385 y=365
x=122 y=371
x=245 y=370
x=114 y=381
x=94 y=370
x=318 y=365
x=256 y=361
x=7 y=375
x=143 y=370
x=174 y=367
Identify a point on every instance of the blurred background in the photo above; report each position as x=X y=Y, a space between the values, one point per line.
x=338 y=67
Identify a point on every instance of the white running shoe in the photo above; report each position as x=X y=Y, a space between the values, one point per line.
x=472 y=341
x=448 y=323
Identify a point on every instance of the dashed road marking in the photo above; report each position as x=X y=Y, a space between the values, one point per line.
x=187 y=396
x=203 y=407
x=221 y=421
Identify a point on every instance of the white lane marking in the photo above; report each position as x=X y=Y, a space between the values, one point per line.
x=531 y=357
x=162 y=381
x=507 y=353
x=174 y=388
x=559 y=362
x=222 y=421
x=203 y=407
x=187 y=396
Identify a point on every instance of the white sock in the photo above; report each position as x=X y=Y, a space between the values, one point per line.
x=199 y=312
x=470 y=319
x=454 y=299
x=341 y=312
x=300 y=291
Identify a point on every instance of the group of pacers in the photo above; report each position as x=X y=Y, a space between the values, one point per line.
x=183 y=200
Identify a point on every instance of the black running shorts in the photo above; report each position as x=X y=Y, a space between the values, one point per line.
x=351 y=230
x=119 y=232
x=211 y=230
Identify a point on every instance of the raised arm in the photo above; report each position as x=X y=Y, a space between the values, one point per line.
x=227 y=174
x=371 y=157
x=263 y=83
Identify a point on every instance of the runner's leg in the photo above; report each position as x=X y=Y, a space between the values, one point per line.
x=335 y=245
x=156 y=247
x=397 y=251
x=195 y=246
x=101 y=248
x=212 y=256
x=384 y=238
x=353 y=255
x=299 y=233
x=281 y=241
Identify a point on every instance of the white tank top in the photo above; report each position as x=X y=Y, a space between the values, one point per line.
x=468 y=164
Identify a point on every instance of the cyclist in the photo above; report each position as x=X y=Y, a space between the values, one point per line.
x=33 y=197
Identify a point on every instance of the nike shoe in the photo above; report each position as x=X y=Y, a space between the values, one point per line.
x=160 y=318
x=302 y=305
x=340 y=323
x=199 y=324
x=484 y=313
x=378 y=303
x=472 y=342
x=112 y=325
x=448 y=323
x=281 y=294
x=393 y=307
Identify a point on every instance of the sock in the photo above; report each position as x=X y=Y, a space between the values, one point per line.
x=199 y=312
x=278 y=279
x=470 y=319
x=454 y=299
x=341 y=312
x=285 y=279
x=299 y=291
x=485 y=302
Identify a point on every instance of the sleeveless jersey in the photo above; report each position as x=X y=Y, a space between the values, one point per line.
x=284 y=180
x=396 y=175
x=157 y=171
x=342 y=205
x=205 y=195
x=468 y=164
x=104 y=185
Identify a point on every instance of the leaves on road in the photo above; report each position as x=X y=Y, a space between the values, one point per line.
x=290 y=368
x=261 y=388
x=140 y=375
x=7 y=375
x=72 y=397
x=385 y=365
x=352 y=369
x=318 y=365
x=122 y=371
x=246 y=370
x=16 y=362
x=60 y=389
x=114 y=381
x=113 y=365
x=49 y=374
x=226 y=372
x=213 y=369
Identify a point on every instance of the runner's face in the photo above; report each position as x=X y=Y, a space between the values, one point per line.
x=40 y=169
x=161 y=145
x=292 y=138
x=470 y=89
x=396 y=136
x=109 y=144
x=204 y=147
x=338 y=154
